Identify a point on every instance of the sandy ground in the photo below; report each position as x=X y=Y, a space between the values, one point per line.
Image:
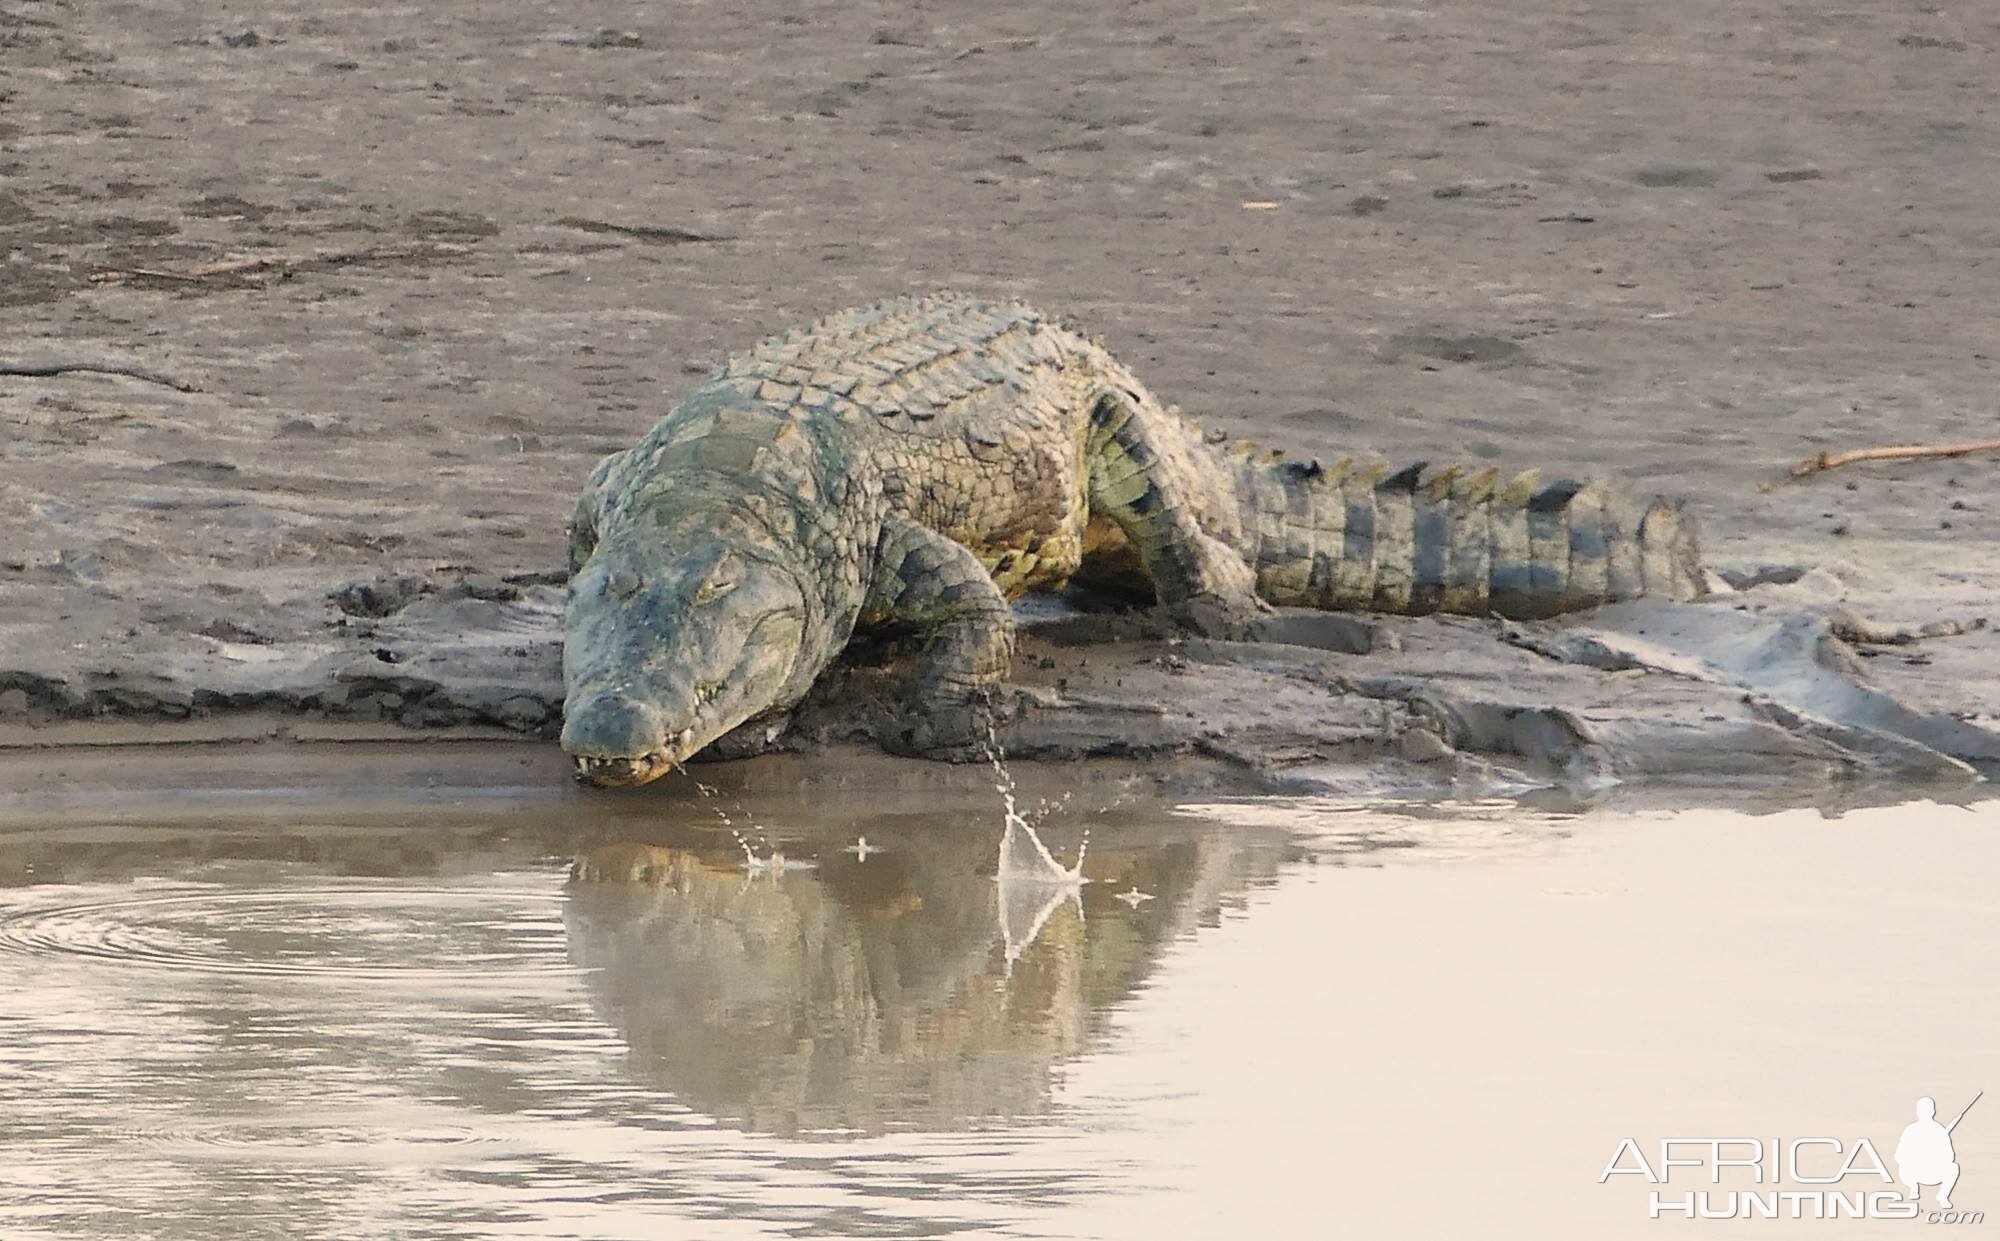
x=1677 y=246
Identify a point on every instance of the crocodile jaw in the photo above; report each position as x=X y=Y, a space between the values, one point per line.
x=627 y=771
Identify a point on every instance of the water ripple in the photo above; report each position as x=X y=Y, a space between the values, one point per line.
x=351 y=934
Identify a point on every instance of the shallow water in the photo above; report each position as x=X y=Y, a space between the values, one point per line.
x=374 y=1011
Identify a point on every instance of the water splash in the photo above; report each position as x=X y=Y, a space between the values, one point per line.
x=771 y=862
x=1023 y=856
x=862 y=850
x=1046 y=807
x=712 y=798
x=1030 y=885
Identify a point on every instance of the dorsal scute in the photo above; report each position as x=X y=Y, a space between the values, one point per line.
x=912 y=327
x=906 y=361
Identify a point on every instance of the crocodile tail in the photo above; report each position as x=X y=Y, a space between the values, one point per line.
x=1417 y=540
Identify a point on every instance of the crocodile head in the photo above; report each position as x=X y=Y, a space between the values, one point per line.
x=664 y=655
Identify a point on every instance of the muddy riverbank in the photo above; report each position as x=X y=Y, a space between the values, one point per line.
x=421 y=268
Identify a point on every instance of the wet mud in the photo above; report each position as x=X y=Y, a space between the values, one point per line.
x=331 y=310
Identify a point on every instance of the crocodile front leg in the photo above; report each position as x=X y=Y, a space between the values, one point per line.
x=927 y=581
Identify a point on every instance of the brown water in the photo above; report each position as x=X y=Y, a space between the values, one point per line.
x=380 y=1005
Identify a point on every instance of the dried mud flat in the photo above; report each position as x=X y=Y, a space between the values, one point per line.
x=424 y=265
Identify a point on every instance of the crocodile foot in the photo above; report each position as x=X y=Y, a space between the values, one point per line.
x=1217 y=570
x=1229 y=618
x=952 y=730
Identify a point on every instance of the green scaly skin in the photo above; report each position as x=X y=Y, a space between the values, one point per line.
x=919 y=462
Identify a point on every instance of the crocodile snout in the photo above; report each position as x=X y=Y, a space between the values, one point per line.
x=616 y=739
x=611 y=725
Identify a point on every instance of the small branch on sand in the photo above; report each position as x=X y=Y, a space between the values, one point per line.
x=1905 y=452
x=979 y=49
x=1860 y=631
x=273 y=262
x=67 y=368
x=654 y=234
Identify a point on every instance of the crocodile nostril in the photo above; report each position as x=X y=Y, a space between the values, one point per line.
x=611 y=725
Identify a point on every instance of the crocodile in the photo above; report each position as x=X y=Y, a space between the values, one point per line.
x=919 y=462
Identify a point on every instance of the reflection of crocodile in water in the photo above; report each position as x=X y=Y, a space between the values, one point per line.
x=918 y=462
x=879 y=995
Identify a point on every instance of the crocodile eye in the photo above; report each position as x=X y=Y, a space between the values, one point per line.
x=621 y=584
x=710 y=591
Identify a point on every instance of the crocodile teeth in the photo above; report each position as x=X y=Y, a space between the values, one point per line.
x=592 y=769
x=640 y=769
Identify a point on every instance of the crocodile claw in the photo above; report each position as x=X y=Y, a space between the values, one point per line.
x=952 y=730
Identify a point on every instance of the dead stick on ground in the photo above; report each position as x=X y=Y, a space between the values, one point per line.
x=129 y=273
x=268 y=262
x=1904 y=452
x=225 y=268
x=659 y=235
x=65 y=368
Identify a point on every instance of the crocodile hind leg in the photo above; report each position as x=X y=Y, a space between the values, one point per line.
x=925 y=580
x=1140 y=477
x=1142 y=480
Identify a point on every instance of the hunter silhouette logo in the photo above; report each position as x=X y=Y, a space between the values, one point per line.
x=1924 y=1155
x=1804 y=1178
